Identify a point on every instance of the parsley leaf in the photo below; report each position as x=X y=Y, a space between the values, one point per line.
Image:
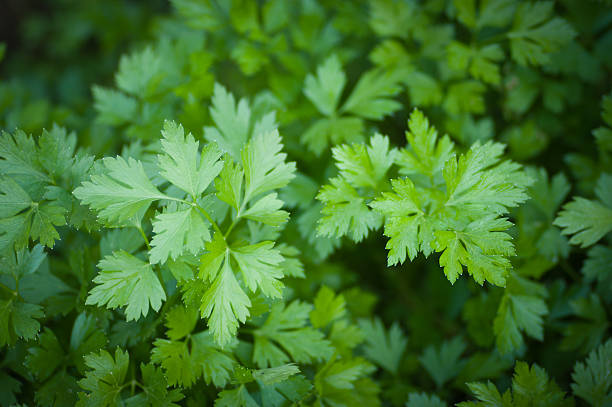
x=530 y=386
x=180 y=163
x=445 y=363
x=588 y=220
x=285 y=327
x=593 y=379
x=383 y=347
x=187 y=356
x=125 y=280
x=521 y=309
x=121 y=192
x=535 y=34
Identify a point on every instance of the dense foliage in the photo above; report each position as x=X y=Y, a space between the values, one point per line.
x=312 y=203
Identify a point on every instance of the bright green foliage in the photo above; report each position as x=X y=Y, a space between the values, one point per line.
x=125 y=280
x=225 y=302
x=235 y=123
x=521 y=309
x=530 y=386
x=180 y=163
x=384 y=348
x=593 y=378
x=588 y=220
x=121 y=193
x=451 y=205
x=445 y=363
x=362 y=168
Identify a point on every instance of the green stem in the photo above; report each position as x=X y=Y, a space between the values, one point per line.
x=236 y=219
x=144 y=236
x=208 y=218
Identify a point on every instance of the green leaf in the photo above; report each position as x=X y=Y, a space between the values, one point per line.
x=530 y=387
x=343 y=382
x=121 y=192
x=44 y=359
x=588 y=332
x=478 y=180
x=345 y=212
x=444 y=363
x=535 y=35
x=428 y=153
x=334 y=130
x=19 y=160
x=491 y=13
x=199 y=14
x=521 y=309
x=383 y=347
x=176 y=233
x=481 y=63
x=184 y=362
x=18 y=320
x=482 y=247
x=465 y=97
x=328 y=307
x=277 y=374
x=113 y=107
x=267 y=210
x=102 y=383
x=365 y=165
x=155 y=392
x=140 y=72
x=371 y=97
x=225 y=303
x=588 y=220
x=125 y=280
x=229 y=183
x=424 y=400
x=285 y=328
x=259 y=265
x=180 y=163
x=265 y=167
x=13 y=199
x=325 y=89
x=238 y=397
x=405 y=224
x=232 y=121
x=391 y=18
x=593 y=378
x=45 y=217
x=597 y=266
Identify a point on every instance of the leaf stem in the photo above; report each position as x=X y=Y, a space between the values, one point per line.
x=208 y=217
x=144 y=236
